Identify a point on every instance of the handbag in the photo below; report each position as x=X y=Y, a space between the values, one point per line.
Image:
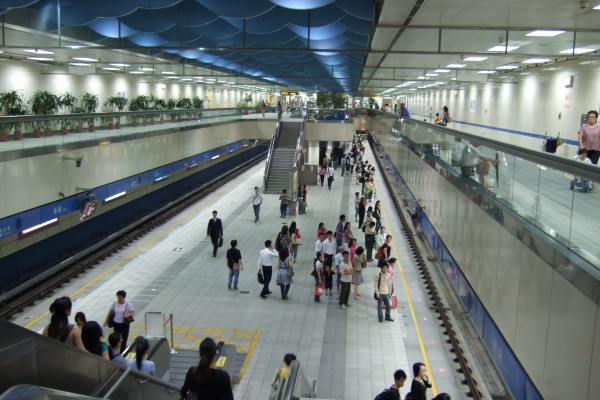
x=319 y=290
x=128 y=320
x=261 y=278
x=290 y=273
x=220 y=244
x=393 y=303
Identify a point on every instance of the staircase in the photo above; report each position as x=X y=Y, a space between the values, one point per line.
x=283 y=159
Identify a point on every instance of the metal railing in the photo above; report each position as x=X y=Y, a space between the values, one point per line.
x=298 y=385
x=272 y=147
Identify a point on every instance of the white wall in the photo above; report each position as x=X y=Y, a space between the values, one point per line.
x=26 y=77
x=532 y=105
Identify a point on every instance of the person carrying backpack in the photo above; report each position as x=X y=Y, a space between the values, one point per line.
x=393 y=392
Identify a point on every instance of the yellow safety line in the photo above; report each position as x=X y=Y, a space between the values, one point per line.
x=412 y=313
x=248 y=356
x=169 y=229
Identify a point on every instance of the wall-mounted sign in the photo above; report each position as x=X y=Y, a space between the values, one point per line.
x=288 y=93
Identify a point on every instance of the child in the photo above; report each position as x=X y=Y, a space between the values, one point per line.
x=437 y=118
x=328 y=278
x=586 y=184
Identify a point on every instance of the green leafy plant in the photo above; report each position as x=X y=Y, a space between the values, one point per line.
x=67 y=102
x=139 y=103
x=248 y=98
x=197 y=102
x=323 y=99
x=338 y=100
x=171 y=104
x=116 y=103
x=184 y=103
x=43 y=102
x=12 y=102
x=89 y=102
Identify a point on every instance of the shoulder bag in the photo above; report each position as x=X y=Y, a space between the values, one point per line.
x=261 y=278
x=127 y=320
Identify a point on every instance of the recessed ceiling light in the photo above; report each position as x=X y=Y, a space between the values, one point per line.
x=412 y=89
x=502 y=48
x=578 y=50
x=431 y=74
x=186 y=79
x=453 y=79
x=168 y=72
x=119 y=65
x=536 y=61
x=136 y=72
x=544 y=33
x=40 y=59
x=421 y=77
x=475 y=58
x=486 y=72
x=211 y=79
x=456 y=65
x=146 y=69
x=508 y=67
x=442 y=70
x=550 y=69
x=87 y=59
x=231 y=83
x=172 y=77
x=35 y=51
x=111 y=69
x=221 y=81
x=80 y=64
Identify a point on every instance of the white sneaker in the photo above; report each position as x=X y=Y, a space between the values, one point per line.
x=344 y=307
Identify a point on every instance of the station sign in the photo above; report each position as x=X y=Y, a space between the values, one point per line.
x=288 y=93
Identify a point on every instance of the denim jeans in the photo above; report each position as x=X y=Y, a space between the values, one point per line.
x=283 y=209
x=345 y=293
x=385 y=298
x=256 y=211
x=233 y=278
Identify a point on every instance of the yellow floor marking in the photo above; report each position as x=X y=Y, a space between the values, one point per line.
x=212 y=197
x=412 y=311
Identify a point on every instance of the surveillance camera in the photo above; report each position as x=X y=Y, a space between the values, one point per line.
x=78 y=162
x=584 y=4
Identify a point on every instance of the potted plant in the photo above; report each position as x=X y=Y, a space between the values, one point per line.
x=13 y=104
x=43 y=103
x=184 y=103
x=116 y=103
x=159 y=105
x=78 y=121
x=139 y=103
x=198 y=104
x=67 y=102
x=171 y=104
x=89 y=103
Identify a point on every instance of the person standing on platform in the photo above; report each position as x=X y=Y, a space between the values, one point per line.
x=347 y=278
x=235 y=265
x=339 y=231
x=393 y=393
x=256 y=202
x=283 y=205
x=589 y=136
x=338 y=259
x=285 y=273
x=329 y=246
x=119 y=317
x=265 y=261
x=263 y=108
x=330 y=175
x=300 y=197
x=384 y=288
x=420 y=383
x=319 y=246
x=215 y=231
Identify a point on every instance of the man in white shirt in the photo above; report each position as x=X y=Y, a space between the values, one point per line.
x=330 y=174
x=256 y=199
x=265 y=262
x=339 y=257
x=329 y=246
x=319 y=246
x=384 y=288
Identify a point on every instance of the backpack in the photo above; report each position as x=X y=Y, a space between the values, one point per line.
x=388 y=394
x=278 y=246
x=409 y=396
x=379 y=253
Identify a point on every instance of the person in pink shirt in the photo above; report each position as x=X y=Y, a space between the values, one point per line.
x=589 y=136
x=392 y=269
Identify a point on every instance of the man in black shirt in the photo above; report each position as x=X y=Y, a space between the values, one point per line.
x=215 y=231
x=235 y=265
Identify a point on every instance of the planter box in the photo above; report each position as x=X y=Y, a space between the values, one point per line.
x=48 y=132
x=36 y=133
x=18 y=135
x=63 y=130
x=92 y=128
x=79 y=129
x=3 y=136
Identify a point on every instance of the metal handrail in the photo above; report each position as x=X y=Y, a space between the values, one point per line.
x=297 y=153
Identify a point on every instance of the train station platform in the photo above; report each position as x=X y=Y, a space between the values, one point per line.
x=348 y=352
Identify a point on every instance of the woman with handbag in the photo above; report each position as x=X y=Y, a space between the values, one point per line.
x=280 y=378
x=120 y=316
x=285 y=272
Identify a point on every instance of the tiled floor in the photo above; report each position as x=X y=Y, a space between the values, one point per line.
x=348 y=352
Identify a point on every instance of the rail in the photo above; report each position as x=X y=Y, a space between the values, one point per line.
x=297 y=157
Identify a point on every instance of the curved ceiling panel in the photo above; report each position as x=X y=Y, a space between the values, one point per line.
x=147 y=21
x=188 y=13
x=147 y=39
x=109 y=27
x=238 y=9
x=302 y=4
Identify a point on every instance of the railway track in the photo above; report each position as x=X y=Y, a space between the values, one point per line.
x=45 y=288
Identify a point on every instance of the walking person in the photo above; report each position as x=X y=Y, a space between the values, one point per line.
x=285 y=273
x=347 y=276
x=393 y=393
x=420 y=383
x=356 y=204
x=283 y=205
x=330 y=176
x=215 y=231
x=300 y=197
x=256 y=200
x=384 y=288
x=296 y=240
x=265 y=261
x=120 y=316
x=322 y=172
x=263 y=108
x=377 y=215
x=589 y=136
x=235 y=265
x=362 y=209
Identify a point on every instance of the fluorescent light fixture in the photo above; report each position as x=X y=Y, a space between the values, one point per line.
x=35 y=51
x=80 y=64
x=136 y=72
x=172 y=77
x=186 y=79
x=221 y=81
x=231 y=83
x=421 y=77
x=508 y=67
x=40 y=59
x=536 y=61
x=543 y=33
x=597 y=7
x=475 y=58
x=168 y=72
x=456 y=65
x=550 y=69
x=195 y=165
x=146 y=69
x=578 y=50
x=39 y=226
x=211 y=79
x=431 y=74
x=162 y=178
x=442 y=70
x=502 y=48
x=453 y=79
x=412 y=89
x=86 y=59
x=111 y=69
x=119 y=65
x=215 y=157
x=485 y=71
x=115 y=196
